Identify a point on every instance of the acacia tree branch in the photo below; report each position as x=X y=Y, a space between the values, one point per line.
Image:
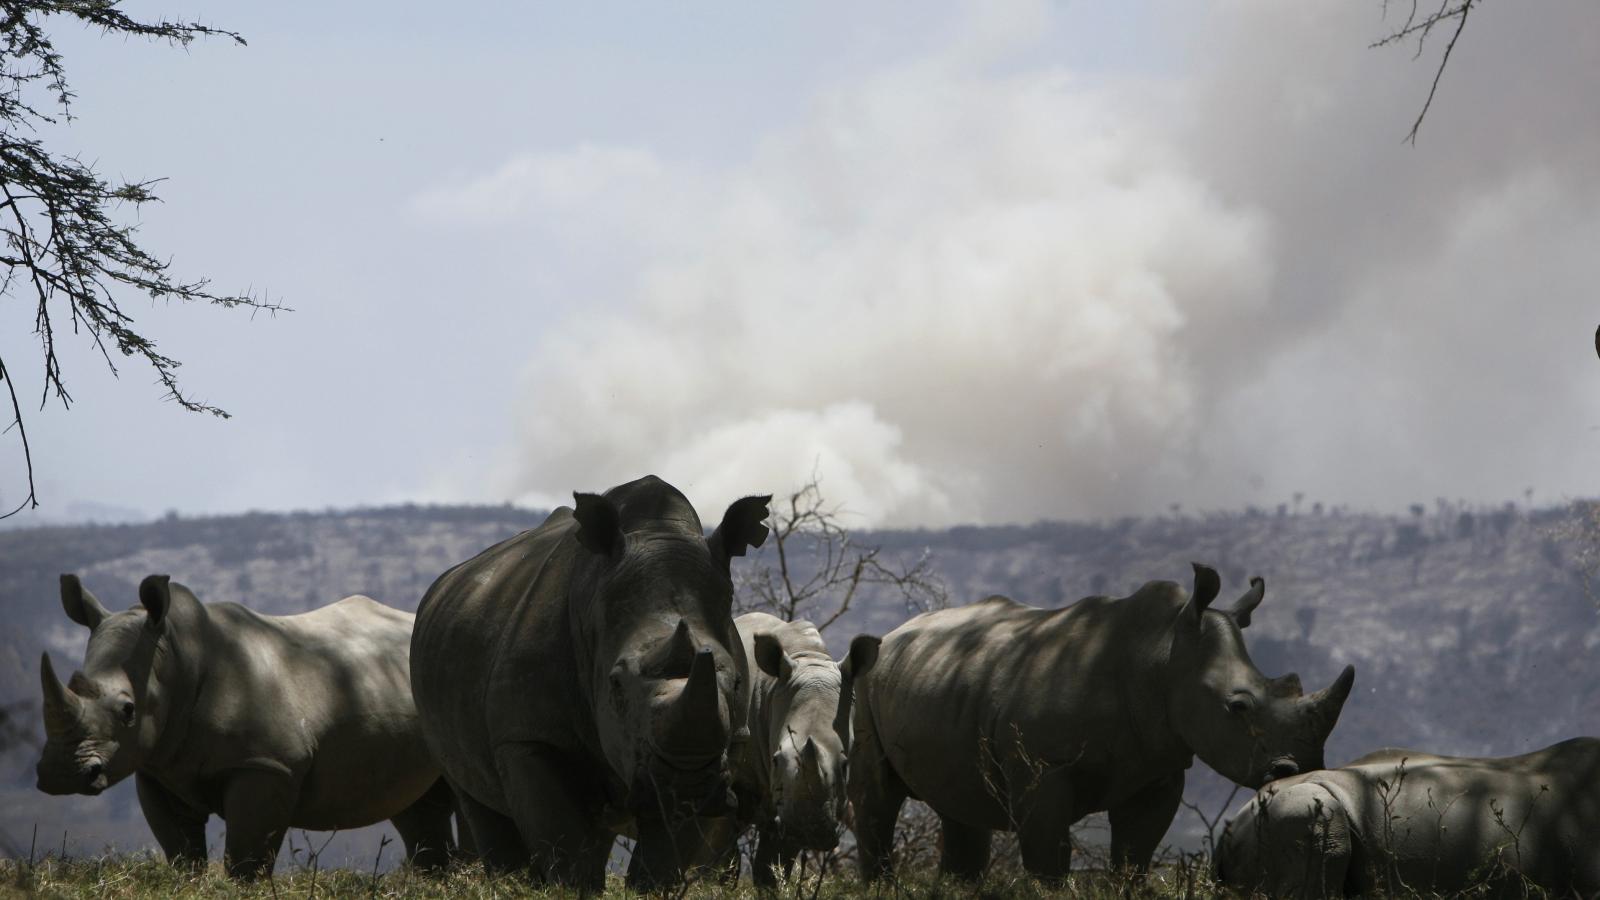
x=1448 y=10
x=59 y=233
x=27 y=452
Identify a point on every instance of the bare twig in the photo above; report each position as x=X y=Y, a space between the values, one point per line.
x=1457 y=10
x=817 y=570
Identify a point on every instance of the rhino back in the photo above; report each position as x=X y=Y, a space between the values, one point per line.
x=1005 y=676
x=491 y=655
x=324 y=695
x=1538 y=813
x=1444 y=823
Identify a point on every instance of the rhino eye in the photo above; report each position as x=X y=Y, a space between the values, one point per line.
x=127 y=712
x=1239 y=703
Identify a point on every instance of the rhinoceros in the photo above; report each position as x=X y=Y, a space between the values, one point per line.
x=271 y=722
x=1002 y=716
x=585 y=677
x=1405 y=821
x=790 y=777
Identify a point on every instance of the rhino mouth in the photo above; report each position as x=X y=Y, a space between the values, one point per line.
x=89 y=781
x=1282 y=767
x=810 y=832
x=665 y=790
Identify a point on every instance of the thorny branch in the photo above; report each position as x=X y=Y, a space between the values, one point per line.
x=63 y=251
x=1448 y=10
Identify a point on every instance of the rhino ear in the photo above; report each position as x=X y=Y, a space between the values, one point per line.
x=81 y=606
x=770 y=657
x=1207 y=584
x=741 y=529
x=599 y=523
x=155 y=595
x=1240 y=613
x=863 y=654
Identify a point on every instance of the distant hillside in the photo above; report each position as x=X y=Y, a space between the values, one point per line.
x=1471 y=630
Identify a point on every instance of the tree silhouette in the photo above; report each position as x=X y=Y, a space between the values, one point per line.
x=66 y=251
x=812 y=567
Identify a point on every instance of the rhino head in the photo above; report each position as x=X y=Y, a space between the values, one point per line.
x=806 y=771
x=1249 y=728
x=100 y=726
x=668 y=689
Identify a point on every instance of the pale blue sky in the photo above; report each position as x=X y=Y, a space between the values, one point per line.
x=813 y=162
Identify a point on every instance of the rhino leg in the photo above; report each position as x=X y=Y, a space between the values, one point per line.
x=1045 y=816
x=876 y=795
x=965 y=850
x=466 y=846
x=179 y=829
x=424 y=827
x=494 y=837
x=721 y=858
x=1139 y=823
x=558 y=822
x=773 y=856
x=257 y=805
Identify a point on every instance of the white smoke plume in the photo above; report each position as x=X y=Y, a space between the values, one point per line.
x=965 y=290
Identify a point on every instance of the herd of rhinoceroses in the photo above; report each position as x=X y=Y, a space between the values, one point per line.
x=587 y=678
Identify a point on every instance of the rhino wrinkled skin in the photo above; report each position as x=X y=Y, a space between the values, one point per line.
x=1402 y=821
x=271 y=722
x=1002 y=716
x=585 y=677
x=790 y=777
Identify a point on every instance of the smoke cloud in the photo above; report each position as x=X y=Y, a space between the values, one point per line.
x=966 y=289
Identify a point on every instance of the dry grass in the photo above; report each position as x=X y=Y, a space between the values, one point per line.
x=143 y=877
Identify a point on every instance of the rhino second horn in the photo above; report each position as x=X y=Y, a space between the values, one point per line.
x=61 y=706
x=681 y=651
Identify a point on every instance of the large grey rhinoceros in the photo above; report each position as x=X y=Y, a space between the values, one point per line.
x=271 y=722
x=586 y=677
x=1003 y=716
x=790 y=777
x=1400 y=821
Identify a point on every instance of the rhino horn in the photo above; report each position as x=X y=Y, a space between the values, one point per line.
x=61 y=706
x=810 y=770
x=681 y=651
x=1330 y=700
x=695 y=725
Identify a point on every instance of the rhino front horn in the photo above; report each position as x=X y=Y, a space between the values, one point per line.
x=1330 y=700
x=695 y=725
x=60 y=704
x=811 y=766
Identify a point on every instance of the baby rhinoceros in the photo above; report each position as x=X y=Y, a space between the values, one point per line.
x=271 y=722
x=791 y=775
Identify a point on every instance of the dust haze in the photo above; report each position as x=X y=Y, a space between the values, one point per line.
x=968 y=289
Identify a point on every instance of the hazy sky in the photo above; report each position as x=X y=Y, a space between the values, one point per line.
x=975 y=262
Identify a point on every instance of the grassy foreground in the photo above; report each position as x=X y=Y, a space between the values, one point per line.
x=144 y=877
